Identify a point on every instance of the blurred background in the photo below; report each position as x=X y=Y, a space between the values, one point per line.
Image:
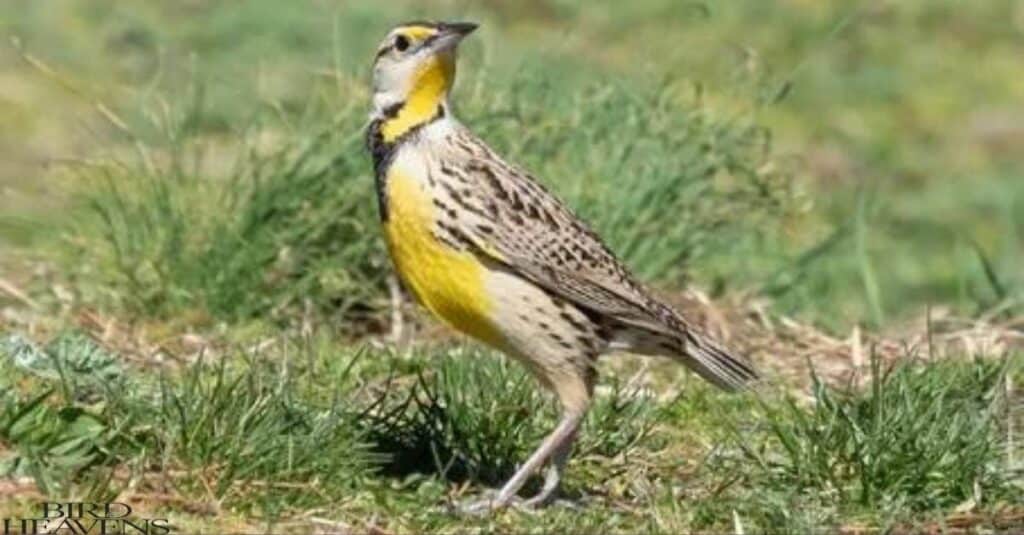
x=893 y=130
x=181 y=178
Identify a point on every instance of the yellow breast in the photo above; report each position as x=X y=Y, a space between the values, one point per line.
x=448 y=282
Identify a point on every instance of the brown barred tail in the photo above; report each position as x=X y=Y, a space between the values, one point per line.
x=717 y=364
x=703 y=355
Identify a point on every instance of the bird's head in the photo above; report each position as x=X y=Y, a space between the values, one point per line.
x=415 y=67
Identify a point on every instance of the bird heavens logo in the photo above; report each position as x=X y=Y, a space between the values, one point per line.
x=84 y=518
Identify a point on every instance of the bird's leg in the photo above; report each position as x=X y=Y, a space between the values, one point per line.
x=398 y=334
x=553 y=478
x=555 y=446
x=574 y=391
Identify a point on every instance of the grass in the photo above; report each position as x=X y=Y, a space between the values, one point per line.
x=193 y=291
x=266 y=437
x=293 y=222
x=913 y=440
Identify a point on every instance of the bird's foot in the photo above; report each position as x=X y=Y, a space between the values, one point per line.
x=487 y=503
x=492 y=501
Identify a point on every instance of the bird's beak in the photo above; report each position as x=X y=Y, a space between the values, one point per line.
x=449 y=34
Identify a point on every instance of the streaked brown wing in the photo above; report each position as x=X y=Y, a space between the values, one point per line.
x=516 y=221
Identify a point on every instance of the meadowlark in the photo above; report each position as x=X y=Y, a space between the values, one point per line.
x=490 y=251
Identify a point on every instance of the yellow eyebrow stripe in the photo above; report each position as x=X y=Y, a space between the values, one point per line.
x=417 y=33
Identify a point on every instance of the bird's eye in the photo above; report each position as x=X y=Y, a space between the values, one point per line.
x=401 y=43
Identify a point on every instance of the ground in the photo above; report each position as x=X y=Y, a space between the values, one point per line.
x=197 y=316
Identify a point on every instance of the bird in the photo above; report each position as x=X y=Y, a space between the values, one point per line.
x=489 y=250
